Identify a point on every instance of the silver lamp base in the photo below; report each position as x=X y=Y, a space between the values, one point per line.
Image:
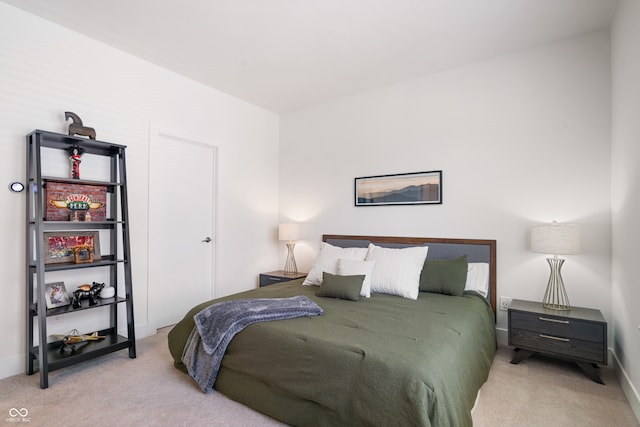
x=290 y=265
x=555 y=297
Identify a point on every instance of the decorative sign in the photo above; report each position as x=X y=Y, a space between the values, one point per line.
x=65 y=200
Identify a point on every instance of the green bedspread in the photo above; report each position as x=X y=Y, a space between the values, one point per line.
x=383 y=361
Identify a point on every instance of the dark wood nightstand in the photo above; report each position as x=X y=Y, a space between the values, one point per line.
x=279 y=276
x=579 y=335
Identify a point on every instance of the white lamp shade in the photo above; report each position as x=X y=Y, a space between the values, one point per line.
x=289 y=231
x=556 y=239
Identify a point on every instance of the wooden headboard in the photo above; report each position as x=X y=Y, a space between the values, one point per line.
x=439 y=248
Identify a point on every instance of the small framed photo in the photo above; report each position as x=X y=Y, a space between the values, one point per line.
x=56 y=295
x=71 y=246
x=416 y=188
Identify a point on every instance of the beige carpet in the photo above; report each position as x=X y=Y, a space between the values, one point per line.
x=148 y=391
x=543 y=391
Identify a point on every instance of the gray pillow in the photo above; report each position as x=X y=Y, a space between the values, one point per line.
x=343 y=287
x=447 y=276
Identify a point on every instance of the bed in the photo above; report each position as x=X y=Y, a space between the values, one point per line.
x=382 y=360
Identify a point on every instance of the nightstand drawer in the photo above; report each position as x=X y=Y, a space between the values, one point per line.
x=279 y=276
x=558 y=326
x=589 y=351
x=266 y=280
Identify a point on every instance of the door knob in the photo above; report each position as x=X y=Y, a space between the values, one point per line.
x=207 y=239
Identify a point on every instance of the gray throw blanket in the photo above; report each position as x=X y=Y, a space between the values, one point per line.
x=217 y=324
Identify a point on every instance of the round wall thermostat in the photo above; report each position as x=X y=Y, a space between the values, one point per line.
x=16 y=187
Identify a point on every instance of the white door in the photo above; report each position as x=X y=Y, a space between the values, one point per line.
x=181 y=225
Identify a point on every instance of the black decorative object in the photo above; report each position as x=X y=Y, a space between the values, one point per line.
x=77 y=128
x=86 y=291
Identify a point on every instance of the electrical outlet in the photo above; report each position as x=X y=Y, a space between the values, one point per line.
x=504 y=303
x=56 y=319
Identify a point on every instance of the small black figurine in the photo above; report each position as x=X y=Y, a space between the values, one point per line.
x=86 y=291
x=77 y=128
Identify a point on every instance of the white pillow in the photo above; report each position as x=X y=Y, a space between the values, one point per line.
x=327 y=260
x=397 y=271
x=350 y=267
x=478 y=278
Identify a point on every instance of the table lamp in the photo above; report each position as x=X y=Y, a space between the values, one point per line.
x=289 y=232
x=556 y=239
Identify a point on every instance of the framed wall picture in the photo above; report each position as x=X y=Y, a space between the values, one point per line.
x=55 y=295
x=61 y=246
x=416 y=188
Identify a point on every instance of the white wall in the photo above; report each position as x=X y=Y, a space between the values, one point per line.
x=626 y=195
x=46 y=70
x=520 y=139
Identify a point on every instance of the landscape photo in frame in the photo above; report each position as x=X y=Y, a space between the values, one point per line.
x=417 y=188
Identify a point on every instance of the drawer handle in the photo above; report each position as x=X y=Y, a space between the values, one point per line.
x=546 y=319
x=554 y=338
x=273 y=278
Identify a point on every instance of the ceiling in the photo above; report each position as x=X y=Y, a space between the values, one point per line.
x=285 y=55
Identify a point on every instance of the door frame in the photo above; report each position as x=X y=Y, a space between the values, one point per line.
x=178 y=134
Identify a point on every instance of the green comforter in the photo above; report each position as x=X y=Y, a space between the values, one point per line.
x=382 y=361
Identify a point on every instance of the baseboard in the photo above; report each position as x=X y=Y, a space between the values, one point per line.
x=627 y=386
x=142 y=331
x=502 y=336
x=10 y=366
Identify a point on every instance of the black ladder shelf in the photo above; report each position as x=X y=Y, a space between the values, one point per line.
x=115 y=265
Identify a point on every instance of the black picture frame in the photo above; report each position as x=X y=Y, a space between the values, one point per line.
x=413 y=188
